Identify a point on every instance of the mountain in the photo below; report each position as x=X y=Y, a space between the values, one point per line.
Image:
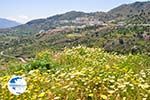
x=69 y=18
x=47 y=23
x=74 y=28
x=138 y=12
x=5 y=23
x=134 y=11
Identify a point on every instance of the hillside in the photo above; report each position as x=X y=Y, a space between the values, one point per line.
x=97 y=29
x=69 y=18
x=5 y=23
x=137 y=11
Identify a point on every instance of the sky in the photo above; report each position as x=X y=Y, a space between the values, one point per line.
x=25 y=10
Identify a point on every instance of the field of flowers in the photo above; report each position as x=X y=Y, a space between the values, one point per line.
x=81 y=73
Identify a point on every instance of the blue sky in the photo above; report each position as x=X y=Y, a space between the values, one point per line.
x=26 y=10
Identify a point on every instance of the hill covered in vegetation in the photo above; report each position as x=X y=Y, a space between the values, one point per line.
x=120 y=30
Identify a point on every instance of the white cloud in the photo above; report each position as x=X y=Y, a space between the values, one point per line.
x=23 y=17
x=20 y=18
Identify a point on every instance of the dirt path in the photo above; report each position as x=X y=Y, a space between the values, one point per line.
x=8 y=56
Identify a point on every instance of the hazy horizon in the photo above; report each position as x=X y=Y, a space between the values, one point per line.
x=26 y=10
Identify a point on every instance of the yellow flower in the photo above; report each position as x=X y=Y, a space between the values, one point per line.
x=91 y=95
x=56 y=98
x=104 y=97
x=41 y=95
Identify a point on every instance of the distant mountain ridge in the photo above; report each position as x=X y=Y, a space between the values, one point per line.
x=131 y=9
x=138 y=12
x=55 y=21
x=5 y=23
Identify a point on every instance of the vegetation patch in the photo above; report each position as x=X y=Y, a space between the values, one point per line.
x=82 y=73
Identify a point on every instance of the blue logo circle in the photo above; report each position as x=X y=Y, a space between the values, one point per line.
x=17 y=85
